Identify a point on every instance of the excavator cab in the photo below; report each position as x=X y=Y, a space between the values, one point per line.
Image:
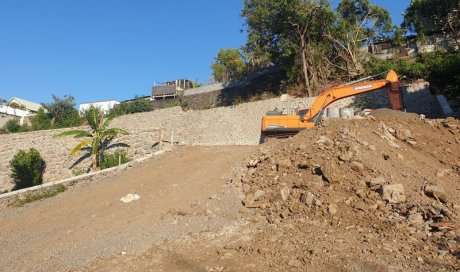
x=282 y=124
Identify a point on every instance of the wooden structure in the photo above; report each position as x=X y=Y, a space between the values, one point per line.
x=170 y=89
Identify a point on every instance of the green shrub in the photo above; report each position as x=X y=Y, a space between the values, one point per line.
x=139 y=105
x=63 y=113
x=69 y=119
x=27 y=169
x=12 y=126
x=89 y=113
x=41 y=121
x=442 y=70
x=183 y=103
x=119 y=157
x=237 y=100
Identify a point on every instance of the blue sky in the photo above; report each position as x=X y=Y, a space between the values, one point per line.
x=115 y=49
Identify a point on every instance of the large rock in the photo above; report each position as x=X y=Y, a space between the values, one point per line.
x=437 y=192
x=249 y=201
x=330 y=171
x=393 y=193
x=283 y=193
x=284 y=163
x=258 y=194
x=415 y=219
x=403 y=134
x=307 y=198
x=357 y=166
x=332 y=208
x=377 y=181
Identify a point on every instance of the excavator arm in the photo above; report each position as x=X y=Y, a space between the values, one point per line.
x=332 y=95
x=285 y=125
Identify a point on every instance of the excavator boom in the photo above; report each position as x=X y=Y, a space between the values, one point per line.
x=285 y=125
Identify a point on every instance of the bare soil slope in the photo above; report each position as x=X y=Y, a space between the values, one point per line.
x=379 y=194
x=180 y=192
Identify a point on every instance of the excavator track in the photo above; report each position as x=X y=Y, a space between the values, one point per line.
x=266 y=137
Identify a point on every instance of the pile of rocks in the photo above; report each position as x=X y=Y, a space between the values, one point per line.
x=399 y=169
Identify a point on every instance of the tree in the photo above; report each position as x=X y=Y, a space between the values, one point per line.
x=137 y=105
x=358 y=23
x=228 y=65
x=41 y=120
x=290 y=34
x=98 y=139
x=425 y=16
x=63 y=112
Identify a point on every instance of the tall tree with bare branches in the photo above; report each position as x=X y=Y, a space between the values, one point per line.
x=358 y=23
x=290 y=33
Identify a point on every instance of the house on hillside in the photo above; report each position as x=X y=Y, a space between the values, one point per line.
x=433 y=42
x=22 y=104
x=17 y=108
x=170 y=89
x=105 y=106
x=9 y=113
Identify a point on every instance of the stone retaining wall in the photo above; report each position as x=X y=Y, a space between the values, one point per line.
x=239 y=125
x=4 y=118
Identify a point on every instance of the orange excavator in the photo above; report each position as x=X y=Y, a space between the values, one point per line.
x=279 y=125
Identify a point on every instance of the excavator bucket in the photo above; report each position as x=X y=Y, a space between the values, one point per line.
x=394 y=91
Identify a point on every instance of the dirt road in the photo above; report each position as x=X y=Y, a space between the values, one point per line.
x=181 y=192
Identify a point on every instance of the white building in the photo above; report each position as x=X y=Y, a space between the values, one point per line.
x=8 y=113
x=105 y=106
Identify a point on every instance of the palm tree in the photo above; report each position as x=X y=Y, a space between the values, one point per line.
x=97 y=139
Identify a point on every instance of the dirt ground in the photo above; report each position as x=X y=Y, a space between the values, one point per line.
x=380 y=193
x=180 y=192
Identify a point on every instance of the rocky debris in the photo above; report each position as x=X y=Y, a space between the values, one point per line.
x=258 y=194
x=387 y=133
x=253 y=163
x=436 y=192
x=307 y=216
x=329 y=171
x=416 y=219
x=284 y=164
x=403 y=134
x=284 y=193
x=357 y=166
x=339 y=180
x=249 y=201
x=393 y=193
x=393 y=135
x=332 y=208
x=375 y=182
x=130 y=198
x=307 y=198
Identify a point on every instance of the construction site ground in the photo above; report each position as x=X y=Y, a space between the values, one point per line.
x=181 y=193
x=380 y=193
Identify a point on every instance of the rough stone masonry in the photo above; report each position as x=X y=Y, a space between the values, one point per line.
x=239 y=125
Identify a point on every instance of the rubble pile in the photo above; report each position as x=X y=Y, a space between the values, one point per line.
x=394 y=175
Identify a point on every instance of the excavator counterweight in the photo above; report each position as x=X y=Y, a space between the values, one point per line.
x=277 y=124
